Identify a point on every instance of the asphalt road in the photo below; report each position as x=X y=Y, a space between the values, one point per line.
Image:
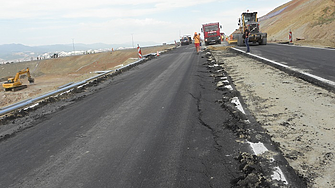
x=317 y=61
x=156 y=125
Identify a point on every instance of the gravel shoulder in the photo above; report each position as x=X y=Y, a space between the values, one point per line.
x=296 y=114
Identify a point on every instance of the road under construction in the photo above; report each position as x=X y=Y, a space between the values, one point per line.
x=172 y=121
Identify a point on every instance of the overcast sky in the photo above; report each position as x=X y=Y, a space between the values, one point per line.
x=44 y=22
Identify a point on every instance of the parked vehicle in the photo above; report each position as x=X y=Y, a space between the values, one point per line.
x=184 y=40
x=211 y=33
x=249 y=21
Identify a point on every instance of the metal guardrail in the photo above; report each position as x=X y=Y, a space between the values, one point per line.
x=67 y=87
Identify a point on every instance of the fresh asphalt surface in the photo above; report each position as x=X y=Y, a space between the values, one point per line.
x=156 y=125
x=317 y=61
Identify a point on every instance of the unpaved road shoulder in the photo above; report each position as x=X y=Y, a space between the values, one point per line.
x=297 y=115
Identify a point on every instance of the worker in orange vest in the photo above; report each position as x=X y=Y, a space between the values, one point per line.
x=197 y=39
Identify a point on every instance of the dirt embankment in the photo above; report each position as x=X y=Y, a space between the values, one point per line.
x=297 y=115
x=51 y=73
x=310 y=20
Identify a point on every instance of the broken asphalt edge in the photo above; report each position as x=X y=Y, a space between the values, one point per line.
x=63 y=89
x=277 y=165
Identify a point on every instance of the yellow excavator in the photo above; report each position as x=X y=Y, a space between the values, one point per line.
x=15 y=84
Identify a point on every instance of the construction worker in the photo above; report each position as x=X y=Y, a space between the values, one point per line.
x=197 y=39
x=246 y=38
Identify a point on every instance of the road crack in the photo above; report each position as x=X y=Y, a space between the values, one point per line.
x=217 y=145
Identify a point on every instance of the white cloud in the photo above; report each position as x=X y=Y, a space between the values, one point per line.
x=94 y=9
x=166 y=4
x=108 y=13
x=124 y=23
x=119 y=30
x=109 y=21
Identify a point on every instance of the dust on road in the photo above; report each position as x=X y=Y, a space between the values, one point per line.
x=296 y=114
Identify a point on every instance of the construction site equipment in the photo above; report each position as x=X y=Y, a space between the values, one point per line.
x=249 y=21
x=212 y=33
x=15 y=84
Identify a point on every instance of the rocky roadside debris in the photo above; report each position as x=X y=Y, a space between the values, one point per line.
x=264 y=165
x=289 y=112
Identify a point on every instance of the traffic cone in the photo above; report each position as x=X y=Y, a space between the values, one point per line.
x=157 y=54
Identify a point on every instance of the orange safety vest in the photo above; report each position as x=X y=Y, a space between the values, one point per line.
x=196 y=38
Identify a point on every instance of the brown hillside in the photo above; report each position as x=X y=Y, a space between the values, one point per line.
x=311 y=20
x=51 y=73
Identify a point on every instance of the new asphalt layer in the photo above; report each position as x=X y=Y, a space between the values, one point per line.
x=315 y=65
x=164 y=123
x=156 y=125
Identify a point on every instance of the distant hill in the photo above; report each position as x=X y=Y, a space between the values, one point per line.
x=14 y=52
x=11 y=52
x=311 y=20
x=7 y=48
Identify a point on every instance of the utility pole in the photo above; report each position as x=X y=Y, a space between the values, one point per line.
x=74 y=51
x=132 y=39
